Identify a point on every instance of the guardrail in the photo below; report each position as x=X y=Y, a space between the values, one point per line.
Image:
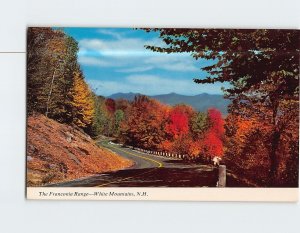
x=161 y=153
x=158 y=153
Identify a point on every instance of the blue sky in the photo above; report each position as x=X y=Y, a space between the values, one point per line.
x=115 y=60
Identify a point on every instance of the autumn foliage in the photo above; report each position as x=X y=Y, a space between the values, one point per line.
x=149 y=124
x=144 y=121
x=248 y=142
x=178 y=124
x=262 y=68
x=82 y=101
x=213 y=142
x=56 y=86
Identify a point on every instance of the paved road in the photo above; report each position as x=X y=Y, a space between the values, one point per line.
x=149 y=171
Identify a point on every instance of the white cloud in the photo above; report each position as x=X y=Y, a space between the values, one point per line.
x=135 y=69
x=133 y=63
x=152 y=85
x=110 y=32
x=131 y=55
x=174 y=62
x=92 y=61
x=118 y=47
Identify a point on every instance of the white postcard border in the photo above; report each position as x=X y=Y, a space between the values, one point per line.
x=164 y=194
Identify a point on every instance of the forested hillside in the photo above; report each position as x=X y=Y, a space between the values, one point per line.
x=55 y=82
x=58 y=152
x=56 y=89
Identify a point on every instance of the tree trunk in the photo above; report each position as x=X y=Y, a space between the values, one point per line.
x=274 y=140
x=274 y=159
x=50 y=92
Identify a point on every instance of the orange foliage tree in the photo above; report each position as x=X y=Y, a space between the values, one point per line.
x=83 y=105
x=249 y=143
x=144 y=123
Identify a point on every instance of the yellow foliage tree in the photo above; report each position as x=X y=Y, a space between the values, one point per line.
x=83 y=103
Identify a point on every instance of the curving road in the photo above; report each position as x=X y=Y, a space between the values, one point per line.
x=149 y=171
x=153 y=171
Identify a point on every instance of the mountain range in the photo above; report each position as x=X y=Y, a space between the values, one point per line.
x=200 y=102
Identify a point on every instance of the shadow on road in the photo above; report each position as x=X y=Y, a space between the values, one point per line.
x=149 y=177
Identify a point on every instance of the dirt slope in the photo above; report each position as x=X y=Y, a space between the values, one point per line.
x=58 y=152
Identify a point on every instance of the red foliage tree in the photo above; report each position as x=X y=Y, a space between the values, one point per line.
x=178 y=124
x=179 y=121
x=122 y=104
x=213 y=143
x=216 y=122
x=110 y=105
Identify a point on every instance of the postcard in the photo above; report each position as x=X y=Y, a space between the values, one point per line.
x=169 y=114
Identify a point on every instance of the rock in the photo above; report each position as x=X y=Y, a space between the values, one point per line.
x=85 y=152
x=69 y=137
x=31 y=148
x=52 y=166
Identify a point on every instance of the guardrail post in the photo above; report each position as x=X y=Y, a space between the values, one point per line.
x=222 y=176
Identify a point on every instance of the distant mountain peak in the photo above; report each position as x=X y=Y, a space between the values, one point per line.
x=200 y=102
